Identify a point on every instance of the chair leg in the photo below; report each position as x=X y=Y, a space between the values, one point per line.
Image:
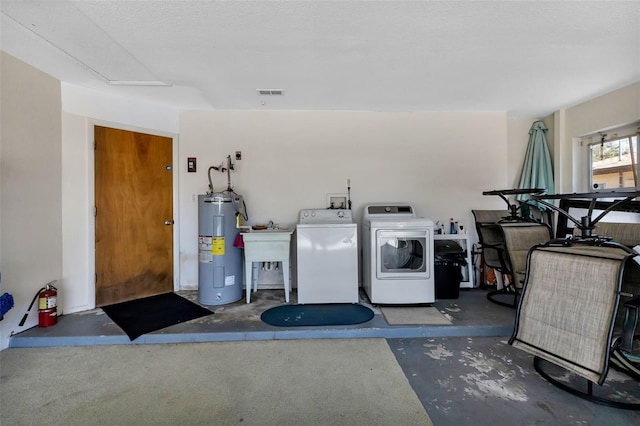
x=588 y=395
x=491 y=296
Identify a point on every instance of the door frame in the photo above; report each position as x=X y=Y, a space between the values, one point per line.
x=91 y=172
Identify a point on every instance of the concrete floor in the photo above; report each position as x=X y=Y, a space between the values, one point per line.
x=485 y=382
x=470 y=314
x=462 y=372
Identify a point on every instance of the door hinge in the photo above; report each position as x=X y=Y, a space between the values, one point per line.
x=95 y=144
x=95 y=211
x=96 y=279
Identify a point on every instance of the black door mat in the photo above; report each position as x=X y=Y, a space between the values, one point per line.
x=142 y=316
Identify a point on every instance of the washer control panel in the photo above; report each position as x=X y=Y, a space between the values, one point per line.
x=325 y=216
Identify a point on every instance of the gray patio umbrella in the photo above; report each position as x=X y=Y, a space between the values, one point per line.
x=537 y=171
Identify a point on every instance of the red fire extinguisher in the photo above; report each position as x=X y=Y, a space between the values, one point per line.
x=47 y=306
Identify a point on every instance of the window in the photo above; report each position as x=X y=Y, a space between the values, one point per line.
x=613 y=163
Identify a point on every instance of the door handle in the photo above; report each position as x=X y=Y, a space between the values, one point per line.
x=168 y=222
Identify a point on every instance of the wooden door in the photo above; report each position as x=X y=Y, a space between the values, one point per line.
x=134 y=215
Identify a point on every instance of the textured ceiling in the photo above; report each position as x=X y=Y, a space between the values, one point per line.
x=528 y=58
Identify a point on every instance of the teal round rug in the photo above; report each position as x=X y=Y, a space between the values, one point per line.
x=321 y=314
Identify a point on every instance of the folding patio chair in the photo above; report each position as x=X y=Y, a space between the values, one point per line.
x=578 y=309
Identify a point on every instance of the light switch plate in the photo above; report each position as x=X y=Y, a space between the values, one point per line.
x=191 y=164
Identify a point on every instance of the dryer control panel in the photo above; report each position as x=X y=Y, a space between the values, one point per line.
x=389 y=210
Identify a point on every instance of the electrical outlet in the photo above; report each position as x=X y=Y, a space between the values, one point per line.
x=238 y=155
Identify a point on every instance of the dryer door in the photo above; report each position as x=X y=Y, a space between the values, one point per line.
x=402 y=254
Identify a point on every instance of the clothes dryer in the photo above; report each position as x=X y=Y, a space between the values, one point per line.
x=397 y=255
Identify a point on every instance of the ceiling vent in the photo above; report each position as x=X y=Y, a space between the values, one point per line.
x=271 y=92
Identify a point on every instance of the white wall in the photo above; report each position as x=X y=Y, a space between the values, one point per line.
x=438 y=161
x=615 y=109
x=127 y=113
x=441 y=162
x=30 y=155
x=291 y=160
x=82 y=110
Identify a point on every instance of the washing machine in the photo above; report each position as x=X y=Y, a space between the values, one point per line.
x=326 y=256
x=397 y=255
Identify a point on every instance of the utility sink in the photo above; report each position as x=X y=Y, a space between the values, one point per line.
x=267 y=245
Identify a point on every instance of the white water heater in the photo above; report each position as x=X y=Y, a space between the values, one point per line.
x=220 y=265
